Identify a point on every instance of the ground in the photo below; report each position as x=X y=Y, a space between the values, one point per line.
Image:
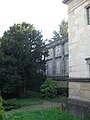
x=44 y=110
x=41 y=106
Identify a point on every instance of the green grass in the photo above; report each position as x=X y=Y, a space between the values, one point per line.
x=50 y=114
x=27 y=101
x=18 y=103
x=34 y=101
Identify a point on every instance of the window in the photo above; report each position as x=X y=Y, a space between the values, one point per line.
x=58 y=66
x=50 y=53
x=88 y=15
x=50 y=68
x=66 y=66
x=58 y=50
x=88 y=65
x=89 y=70
x=66 y=48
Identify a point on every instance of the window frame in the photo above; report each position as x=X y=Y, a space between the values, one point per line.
x=88 y=15
x=88 y=66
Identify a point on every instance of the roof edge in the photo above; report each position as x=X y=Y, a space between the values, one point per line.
x=65 y=1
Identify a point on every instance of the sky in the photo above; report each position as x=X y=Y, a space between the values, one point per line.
x=45 y=15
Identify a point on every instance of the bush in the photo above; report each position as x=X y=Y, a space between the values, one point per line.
x=1 y=109
x=62 y=92
x=33 y=94
x=49 y=89
x=87 y=116
x=10 y=104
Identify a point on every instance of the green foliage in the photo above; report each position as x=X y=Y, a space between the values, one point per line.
x=10 y=104
x=62 y=92
x=49 y=89
x=33 y=94
x=14 y=117
x=50 y=114
x=38 y=80
x=1 y=109
x=27 y=101
x=63 y=30
x=21 y=63
x=18 y=103
x=87 y=115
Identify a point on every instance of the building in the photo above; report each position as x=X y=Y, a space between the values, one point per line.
x=79 y=56
x=57 y=60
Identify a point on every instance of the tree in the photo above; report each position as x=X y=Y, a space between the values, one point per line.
x=63 y=27
x=21 y=58
x=2 y=115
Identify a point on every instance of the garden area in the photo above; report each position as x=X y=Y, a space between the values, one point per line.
x=48 y=114
x=36 y=109
x=43 y=105
x=25 y=91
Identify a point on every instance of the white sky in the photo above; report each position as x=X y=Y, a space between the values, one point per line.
x=45 y=15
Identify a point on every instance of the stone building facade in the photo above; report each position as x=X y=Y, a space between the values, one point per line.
x=79 y=55
x=57 y=60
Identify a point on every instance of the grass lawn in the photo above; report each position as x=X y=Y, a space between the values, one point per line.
x=50 y=114
x=18 y=103
x=28 y=101
x=34 y=101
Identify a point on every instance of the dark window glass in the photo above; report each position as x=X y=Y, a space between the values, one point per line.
x=88 y=15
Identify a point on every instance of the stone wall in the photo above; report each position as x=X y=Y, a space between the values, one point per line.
x=74 y=3
x=78 y=107
x=79 y=38
x=62 y=83
x=79 y=96
x=79 y=90
x=57 y=60
x=79 y=57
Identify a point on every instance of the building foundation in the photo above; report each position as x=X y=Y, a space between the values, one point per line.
x=78 y=102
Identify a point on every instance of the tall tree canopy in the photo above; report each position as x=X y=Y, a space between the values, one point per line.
x=63 y=30
x=21 y=63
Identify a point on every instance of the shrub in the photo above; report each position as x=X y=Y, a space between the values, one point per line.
x=1 y=109
x=62 y=92
x=87 y=116
x=49 y=89
x=33 y=94
x=10 y=104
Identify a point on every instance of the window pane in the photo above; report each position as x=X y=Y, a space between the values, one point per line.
x=58 y=50
x=50 y=68
x=50 y=53
x=66 y=65
x=58 y=67
x=88 y=15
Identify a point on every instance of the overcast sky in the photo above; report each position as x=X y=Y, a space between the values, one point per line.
x=45 y=15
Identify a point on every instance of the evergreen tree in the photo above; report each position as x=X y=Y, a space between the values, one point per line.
x=1 y=110
x=63 y=30
x=21 y=58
